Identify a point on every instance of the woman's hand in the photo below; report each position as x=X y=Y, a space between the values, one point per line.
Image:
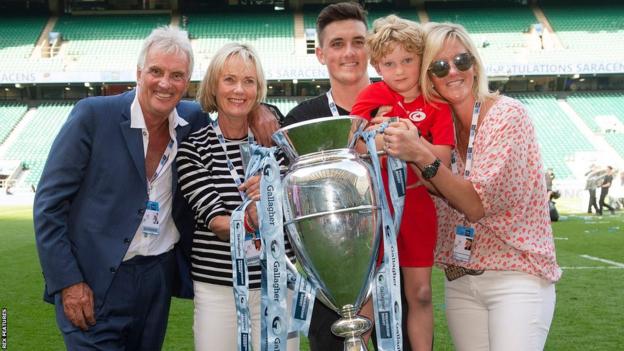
x=251 y=187
x=402 y=140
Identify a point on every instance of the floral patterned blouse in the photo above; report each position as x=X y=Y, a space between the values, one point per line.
x=515 y=234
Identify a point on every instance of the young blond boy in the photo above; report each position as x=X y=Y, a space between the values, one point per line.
x=395 y=47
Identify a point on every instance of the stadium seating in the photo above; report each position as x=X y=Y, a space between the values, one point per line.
x=558 y=137
x=410 y=14
x=589 y=105
x=113 y=42
x=271 y=34
x=616 y=141
x=501 y=25
x=33 y=143
x=10 y=115
x=589 y=28
x=17 y=42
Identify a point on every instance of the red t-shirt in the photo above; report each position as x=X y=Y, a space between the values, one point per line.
x=418 y=232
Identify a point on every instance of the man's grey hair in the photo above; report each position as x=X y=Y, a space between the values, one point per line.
x=167 y=40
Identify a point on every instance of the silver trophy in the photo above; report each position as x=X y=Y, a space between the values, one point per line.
x=331 y=216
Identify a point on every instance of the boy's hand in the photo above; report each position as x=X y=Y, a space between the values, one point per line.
x=379 y=117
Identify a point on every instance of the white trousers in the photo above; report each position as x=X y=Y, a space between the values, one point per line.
x=215 y=323
x=499 y=311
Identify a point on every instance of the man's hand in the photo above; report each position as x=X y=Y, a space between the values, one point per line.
x=263 y=124
x=381 y=112
x=78 y=305
x=252 y=188
x=252 y=215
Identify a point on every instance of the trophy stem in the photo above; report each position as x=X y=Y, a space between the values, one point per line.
x=351 y=327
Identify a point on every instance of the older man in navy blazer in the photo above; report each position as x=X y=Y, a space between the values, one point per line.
x=107 y=215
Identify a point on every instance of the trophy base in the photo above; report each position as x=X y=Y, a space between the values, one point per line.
x=351 y=327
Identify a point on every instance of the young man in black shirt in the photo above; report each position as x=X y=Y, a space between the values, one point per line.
x=341 y=30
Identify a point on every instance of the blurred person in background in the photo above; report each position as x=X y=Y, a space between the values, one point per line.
x=607 y=179
x=592 y=182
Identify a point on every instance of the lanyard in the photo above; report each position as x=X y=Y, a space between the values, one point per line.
x=221 y=138
x=386 y=284
x=161 y=165
x=473 y=132
x=332 y=105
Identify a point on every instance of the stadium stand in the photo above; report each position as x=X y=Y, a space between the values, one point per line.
x=17 y=42
x=497 y=28
x=410 y=14
x=10 y=115
x=592 y=105
x=271 y=34
x=589 y=29
x=33 y=143
x=95 y=47
x=616 y=140
x=113 y=41
x=559 y=138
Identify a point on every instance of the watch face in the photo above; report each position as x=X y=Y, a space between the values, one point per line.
x=431 y=170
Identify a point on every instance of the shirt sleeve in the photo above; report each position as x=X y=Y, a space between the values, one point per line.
x=442 y=130
x=195 y=184
x=503 y=166
x=371 y=98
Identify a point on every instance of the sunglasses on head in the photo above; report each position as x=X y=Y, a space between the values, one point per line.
x=441 y=68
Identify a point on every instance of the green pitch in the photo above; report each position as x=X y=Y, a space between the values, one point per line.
x=590 y=297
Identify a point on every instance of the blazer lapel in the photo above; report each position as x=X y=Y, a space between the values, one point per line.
x=181 y=133
x=134 y=142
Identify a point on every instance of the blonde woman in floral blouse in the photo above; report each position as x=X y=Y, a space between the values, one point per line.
x=495 y=241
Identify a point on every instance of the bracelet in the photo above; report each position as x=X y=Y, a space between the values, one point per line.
x=247 y=225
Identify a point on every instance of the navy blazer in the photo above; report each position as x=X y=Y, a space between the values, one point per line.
x=93 y=192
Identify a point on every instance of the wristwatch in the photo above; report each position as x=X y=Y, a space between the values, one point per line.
x=429 y=171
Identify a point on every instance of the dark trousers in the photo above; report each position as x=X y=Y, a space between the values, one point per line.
x=135 y=310
x=603 y=195
x=592 y=201
x=322 y=339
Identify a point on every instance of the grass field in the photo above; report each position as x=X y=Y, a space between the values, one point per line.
x=590 y=296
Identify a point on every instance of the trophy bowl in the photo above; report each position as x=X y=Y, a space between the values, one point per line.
x=331 y=216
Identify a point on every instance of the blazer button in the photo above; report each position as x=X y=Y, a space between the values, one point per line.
x=126 y=241
x=141 y=211
x=112 y=269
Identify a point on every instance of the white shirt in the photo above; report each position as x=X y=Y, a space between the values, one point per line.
x=153 y=245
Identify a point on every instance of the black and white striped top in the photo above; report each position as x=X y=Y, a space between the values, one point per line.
x=208 y=187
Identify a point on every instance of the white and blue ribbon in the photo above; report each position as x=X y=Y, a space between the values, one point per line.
x=240 y=276
x=387 y=281
x=274 y=283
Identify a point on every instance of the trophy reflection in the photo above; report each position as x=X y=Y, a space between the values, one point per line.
x=331 y=216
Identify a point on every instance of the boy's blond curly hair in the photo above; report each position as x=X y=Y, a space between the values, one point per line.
x=392 y=30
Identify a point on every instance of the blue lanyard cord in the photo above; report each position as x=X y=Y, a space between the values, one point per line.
x=332 y=105
x=161 y=165
x=469 y=150
x=232 y=169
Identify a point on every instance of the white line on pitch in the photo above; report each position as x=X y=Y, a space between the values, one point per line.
x=560 y=238
x=594 y=267
x=617 y=264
